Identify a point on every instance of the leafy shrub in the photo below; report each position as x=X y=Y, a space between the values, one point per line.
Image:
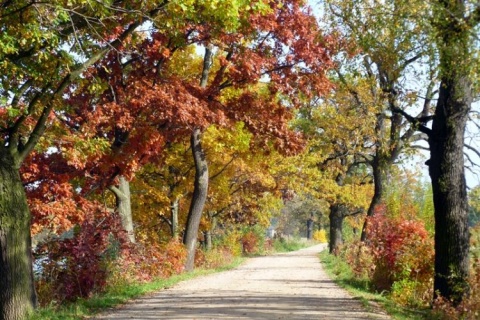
x=146 y=262
x=320 y=236
x=249 y=243
x=402 y=252
x=217 y=257
x=359 y=257
x=98 y=254
x=76 y=266
x=231 y=240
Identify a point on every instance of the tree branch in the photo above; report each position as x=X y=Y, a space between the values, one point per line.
x=474 y=150
x=223 y=169
x=40 y=126
x=414 y=121
x=117 y=192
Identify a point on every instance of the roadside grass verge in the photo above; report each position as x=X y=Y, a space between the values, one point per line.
x=114 y=296
x=122 y=293
x=342 y=274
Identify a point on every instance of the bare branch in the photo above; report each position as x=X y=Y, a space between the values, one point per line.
x=420 y=147
x=223 y=169
x=414 y=121
x=474 y=150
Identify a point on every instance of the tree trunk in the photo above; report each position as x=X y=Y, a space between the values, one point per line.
x=17 y=291
x=336 y=216
x=124 y=208
x=213 y=224
x=200 y=190
x=309 y=228
x=198 y=199
x=208 y=240
x=446 y=163
x=174 y=218
x=446 y=168
x=379 y=176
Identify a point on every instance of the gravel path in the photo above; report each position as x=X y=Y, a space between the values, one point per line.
x=285 y=286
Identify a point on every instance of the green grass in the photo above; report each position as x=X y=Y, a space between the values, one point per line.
x=288 y=245
x=84 y=308
x=342 y=274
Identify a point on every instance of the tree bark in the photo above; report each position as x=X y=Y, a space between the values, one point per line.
x=336 y=216
x=446 y=169
x=198 y=199
x=17 y=291
x=124 y=207
x=446 y=140
x=379 y=169
x=174 y=218
x=200 y=190
x=208 y=240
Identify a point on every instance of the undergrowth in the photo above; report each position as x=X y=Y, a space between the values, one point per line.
x=116 y=295
x=362 y=288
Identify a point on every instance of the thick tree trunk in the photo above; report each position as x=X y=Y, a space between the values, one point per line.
x=446 y=140
x=124 y=207
x=336 y=216
x=17 y=291
x=198 y=200
x=446 y=168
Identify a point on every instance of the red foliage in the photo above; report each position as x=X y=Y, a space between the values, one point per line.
x=146 y=262
x=139 y=107
x=143 y=105
x=400 y=248
x=75 y=265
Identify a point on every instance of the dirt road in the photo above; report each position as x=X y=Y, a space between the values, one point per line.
x=286 y=286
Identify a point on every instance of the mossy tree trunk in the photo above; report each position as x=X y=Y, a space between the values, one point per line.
x=455 y=27
x=17 y=297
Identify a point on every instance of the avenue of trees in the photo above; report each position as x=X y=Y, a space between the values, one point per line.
x=136 y=131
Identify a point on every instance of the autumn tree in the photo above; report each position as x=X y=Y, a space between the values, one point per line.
x=36 y=69
x=341 y=142
x=455 y=26
x=161 y=192
x=450 y=31
x=287 y=31
x=139 y=100
x=241 y=178
x=392 y=48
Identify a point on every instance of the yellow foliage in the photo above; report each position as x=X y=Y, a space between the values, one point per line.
x=320 y=236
